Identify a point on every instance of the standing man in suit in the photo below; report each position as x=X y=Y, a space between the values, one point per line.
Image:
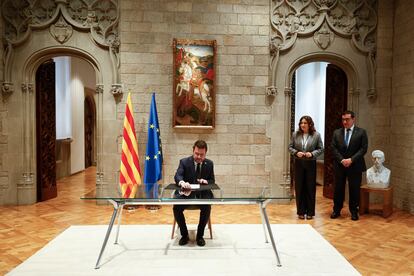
x=191 y=170
x=349 y=145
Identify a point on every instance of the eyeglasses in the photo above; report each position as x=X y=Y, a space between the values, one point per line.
x=346 y=119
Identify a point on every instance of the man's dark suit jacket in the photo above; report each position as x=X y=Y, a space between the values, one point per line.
x=358 y=146
x=186 y=171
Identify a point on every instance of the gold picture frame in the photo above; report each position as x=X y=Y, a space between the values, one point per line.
x=194 y=94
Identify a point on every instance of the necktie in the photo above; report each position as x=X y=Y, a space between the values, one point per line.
x=347 y=136
x=198 y=171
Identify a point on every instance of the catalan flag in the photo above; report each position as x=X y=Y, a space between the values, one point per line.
x=130 y=176
x=153 y=157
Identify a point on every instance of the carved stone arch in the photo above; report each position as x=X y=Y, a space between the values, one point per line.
x=38 y=57
x=344 y=63
x=35 y=30
x=60 y=21
x=340 y=53
x=26 y=58
x=28 y=73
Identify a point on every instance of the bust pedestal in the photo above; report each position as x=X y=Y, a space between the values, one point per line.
x=387 y=206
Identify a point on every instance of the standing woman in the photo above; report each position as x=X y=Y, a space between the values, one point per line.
x=306 y=145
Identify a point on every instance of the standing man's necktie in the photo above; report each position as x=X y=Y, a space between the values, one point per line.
x=198 y=171
x=347 y=136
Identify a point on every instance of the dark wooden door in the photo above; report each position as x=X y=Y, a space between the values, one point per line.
x=335 y=104
x=292 y=129
x=89 y=127
x=46 y=131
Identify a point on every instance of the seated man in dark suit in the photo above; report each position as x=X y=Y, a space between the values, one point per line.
x=192 y=170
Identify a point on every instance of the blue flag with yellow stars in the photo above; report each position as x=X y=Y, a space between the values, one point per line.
x=153 y=157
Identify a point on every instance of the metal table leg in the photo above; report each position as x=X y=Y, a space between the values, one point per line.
x=108 y=232
x=263 y=223
x=263 y=207
x=119 y=222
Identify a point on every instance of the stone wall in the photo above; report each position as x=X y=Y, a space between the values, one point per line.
x=4 y=180
x=379 y=123
x=402 y=106
x=238 y=144
x=380 y=138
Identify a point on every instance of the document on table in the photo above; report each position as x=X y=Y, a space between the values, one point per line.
x=195 y=186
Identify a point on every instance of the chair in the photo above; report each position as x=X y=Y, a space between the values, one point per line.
x=192 y=208
x=174 y=187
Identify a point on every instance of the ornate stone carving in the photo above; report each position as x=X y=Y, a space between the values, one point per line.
x=324 y=4
x=30 y=87
x=324 y=37
x=372 y=93
x=24 y=88
x=275 y=45
x=355 y=20
x=99 y=89
x=354 y=92
x=27 y=87
x=7 y=88
x=61 y=30
x=288 y=91
x=116 y=89
x=114 y=43
x=62 y=17
x=98 y=17
x=28 y=178
x=271 y=91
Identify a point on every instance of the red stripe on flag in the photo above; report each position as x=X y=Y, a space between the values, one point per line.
x=128 y=141
x=130 y=147
x=130 y=175
x=128 y=169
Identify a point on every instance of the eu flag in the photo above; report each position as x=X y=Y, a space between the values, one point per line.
x=153 y=157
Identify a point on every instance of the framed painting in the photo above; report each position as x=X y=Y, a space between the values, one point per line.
x=194 y=94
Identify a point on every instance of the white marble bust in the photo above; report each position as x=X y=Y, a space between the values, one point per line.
x=378 y=176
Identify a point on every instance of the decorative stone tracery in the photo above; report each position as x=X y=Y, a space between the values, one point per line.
x=325 y=19
x=61 y=30
x=98 y=17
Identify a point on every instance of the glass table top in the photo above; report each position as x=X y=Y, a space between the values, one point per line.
x=173 y=193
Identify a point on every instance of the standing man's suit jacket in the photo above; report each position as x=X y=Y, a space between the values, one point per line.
x=358 y=146
x=187 y=172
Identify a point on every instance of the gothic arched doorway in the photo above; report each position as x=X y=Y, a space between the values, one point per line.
x=65 y=121
x=319 y=89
